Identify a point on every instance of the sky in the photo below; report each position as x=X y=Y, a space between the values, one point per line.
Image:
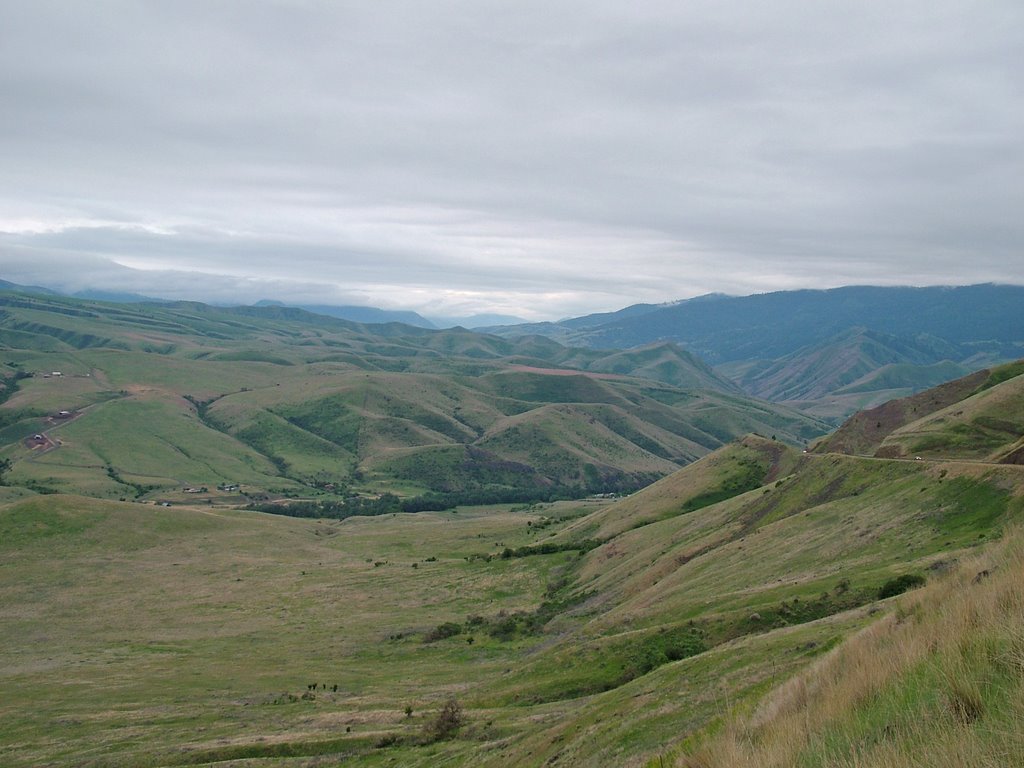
x=538 y=159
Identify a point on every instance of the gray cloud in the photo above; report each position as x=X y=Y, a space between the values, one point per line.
x=535 y=158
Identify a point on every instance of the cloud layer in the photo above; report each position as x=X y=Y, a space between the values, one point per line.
x=539 y=159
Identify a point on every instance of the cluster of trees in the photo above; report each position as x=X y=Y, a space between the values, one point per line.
x=337 y=509
x=506 y=626
x=551 y=547
x=436 y=501
x=9 y=384
x=388 y=503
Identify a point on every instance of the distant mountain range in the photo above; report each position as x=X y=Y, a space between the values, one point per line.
x=827 y=352
x=375 y=315
x=475 y=321
x=723 y=329
x=355 y=313
x=7 y=285
x=830 y=352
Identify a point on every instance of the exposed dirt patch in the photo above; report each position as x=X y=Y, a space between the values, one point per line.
x=143 y=392
x=40 y=442
x=564 y=372
x=775 y=453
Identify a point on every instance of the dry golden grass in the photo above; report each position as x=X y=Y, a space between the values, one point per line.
x=936 y=682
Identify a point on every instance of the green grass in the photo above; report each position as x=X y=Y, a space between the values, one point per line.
x=288 y=602
x=40 y=520
x=967 y=506
x=750 y=474
x=139 y=607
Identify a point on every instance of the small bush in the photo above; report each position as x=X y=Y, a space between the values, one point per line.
x=503 y=628
x=899 y=585
x=443 y=631
x=447 y=723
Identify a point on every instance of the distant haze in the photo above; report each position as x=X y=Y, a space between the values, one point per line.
x=537 y=159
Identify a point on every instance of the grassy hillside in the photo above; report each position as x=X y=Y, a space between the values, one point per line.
x=987 y=426
x=664 y=362
x=937 y=682
x=738 y=467
x=984 y=420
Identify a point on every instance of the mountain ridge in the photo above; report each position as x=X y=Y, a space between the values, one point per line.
x=783 y=321
x=798 y=346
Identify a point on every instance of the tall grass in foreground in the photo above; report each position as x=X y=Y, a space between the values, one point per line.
x=937 y=682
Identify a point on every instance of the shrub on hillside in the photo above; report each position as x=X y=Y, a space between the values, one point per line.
x=442 y=631
x=447 y=723
x=899 y=585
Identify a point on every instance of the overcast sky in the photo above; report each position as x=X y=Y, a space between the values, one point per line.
x=542 y=159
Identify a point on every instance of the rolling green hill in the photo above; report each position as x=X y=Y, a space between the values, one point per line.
x=163 y=397
x=592 y=632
